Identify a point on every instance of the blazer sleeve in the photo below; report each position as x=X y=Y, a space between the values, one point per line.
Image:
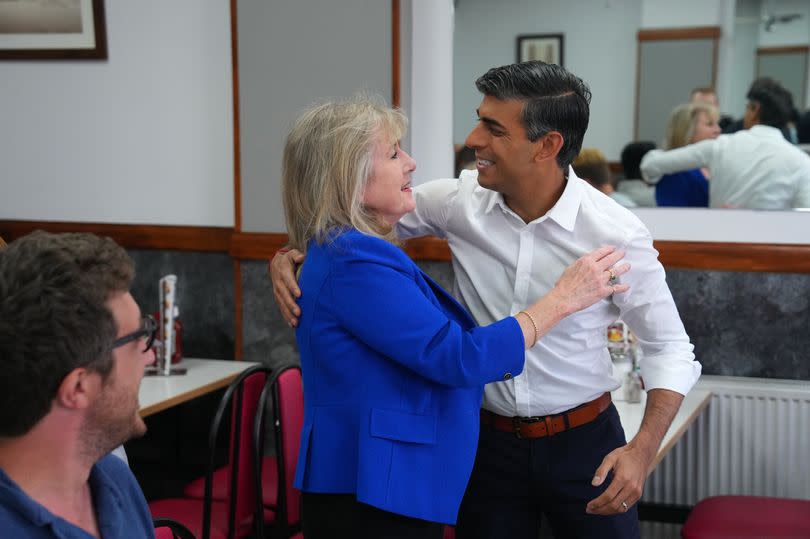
x=377 y=299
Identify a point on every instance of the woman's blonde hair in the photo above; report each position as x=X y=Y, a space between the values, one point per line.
x=682 y=123
x=328 y=158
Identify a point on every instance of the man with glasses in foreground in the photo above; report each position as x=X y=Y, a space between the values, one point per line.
x=73 y=348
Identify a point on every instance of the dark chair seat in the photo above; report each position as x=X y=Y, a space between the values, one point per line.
x=748 y=517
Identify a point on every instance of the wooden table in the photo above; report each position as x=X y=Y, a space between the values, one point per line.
x=631 y=414
x=158 y=393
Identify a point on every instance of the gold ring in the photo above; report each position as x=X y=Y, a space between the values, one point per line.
x=612 y=274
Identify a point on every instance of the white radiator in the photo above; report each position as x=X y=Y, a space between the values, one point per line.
x=753 y=438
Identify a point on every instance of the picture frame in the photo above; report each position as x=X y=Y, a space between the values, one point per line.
x=545 y=47
x=50 y=30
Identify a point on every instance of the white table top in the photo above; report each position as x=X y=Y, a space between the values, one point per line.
x=631 y=415
x=158 y=393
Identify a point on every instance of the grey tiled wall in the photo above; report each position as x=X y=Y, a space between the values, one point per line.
x=205 y=296
x=742 y=324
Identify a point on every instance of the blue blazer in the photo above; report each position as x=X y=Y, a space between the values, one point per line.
x=393 y=372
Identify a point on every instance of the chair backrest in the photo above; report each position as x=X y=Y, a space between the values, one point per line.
x=243 y=397
x=289 y=405
x=288 y=420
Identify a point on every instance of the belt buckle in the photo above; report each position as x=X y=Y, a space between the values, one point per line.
x=516 y=427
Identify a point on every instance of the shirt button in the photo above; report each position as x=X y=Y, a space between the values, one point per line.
x=507 y=376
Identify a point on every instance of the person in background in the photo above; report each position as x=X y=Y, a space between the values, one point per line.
x=551 y=442
x=639 y=191
x=803 y=128
x=688 y=124
x=591 y=166
x=73 y=348
x=707 y=95
x=465 y=159
x=393 y=367
x=755 y=168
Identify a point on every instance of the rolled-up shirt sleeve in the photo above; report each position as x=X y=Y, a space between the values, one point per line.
x=668 y=360
x=656 y=163
x=433 y=201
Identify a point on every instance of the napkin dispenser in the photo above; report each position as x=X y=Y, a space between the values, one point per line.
x=170 y=330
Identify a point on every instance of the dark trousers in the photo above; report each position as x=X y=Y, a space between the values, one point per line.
x=515 y=481
x=329 y=516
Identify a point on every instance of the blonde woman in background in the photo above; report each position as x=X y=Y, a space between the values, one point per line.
x=688 y=124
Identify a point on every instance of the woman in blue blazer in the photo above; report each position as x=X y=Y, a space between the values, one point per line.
x=393 y=366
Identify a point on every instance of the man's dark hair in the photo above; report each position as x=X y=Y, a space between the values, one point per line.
x=803 y=128
x=54 y=318
x=775 y=102
x=631 y=157
x=554 y=100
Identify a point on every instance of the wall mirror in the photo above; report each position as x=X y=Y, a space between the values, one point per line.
x=639 y=73
x=601 y=46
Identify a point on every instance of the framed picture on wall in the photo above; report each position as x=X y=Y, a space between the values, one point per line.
x=52 y=29
x=545 y=47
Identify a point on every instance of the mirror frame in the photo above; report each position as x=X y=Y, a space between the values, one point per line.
x=700 y=255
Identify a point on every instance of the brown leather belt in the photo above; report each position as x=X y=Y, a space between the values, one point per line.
x=538 y=427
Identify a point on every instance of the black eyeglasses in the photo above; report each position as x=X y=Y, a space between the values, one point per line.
x=148 y=329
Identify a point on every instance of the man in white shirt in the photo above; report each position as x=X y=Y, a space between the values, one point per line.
x=551 y=442
x=755 y=168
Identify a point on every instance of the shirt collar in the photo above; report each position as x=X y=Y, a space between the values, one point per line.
x=564 y=212
x=765 y=131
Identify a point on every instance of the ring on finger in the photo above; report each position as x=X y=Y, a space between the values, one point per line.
x=624 y=504
x=612 y=279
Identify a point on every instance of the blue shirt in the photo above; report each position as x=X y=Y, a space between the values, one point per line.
x=121 y=510
x=688 y=188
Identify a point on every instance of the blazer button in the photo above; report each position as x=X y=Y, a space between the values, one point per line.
x=507 y=376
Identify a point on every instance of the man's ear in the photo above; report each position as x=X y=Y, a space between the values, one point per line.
x=77 y=389
x=548 y=146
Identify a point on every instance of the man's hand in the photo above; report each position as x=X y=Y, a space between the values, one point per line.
x=630 y=463
x=285 y=287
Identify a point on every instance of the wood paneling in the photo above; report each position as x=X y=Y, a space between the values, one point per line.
x=237 y=152
x=262 y=246
x=681 y=254
x=699 y=32
x=180 y=238
x=783 y=50
x=256 y=246
x=735 y=256
x=395 y=37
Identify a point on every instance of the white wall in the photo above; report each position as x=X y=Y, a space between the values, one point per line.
x=145 y=136
x=291 y=54
x=431 y=90
x=600 y=47
x=796 y=32
x=683 y=13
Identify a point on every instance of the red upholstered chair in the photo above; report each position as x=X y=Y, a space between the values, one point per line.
x=744 y=517
x=449 y=532
x=166 y=528
x=288 y=406
x=238 y=514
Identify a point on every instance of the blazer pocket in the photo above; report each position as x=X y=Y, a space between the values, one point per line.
x=403 y=426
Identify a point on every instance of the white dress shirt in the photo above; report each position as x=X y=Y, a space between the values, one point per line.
x=502 y=265
x=755 y=168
